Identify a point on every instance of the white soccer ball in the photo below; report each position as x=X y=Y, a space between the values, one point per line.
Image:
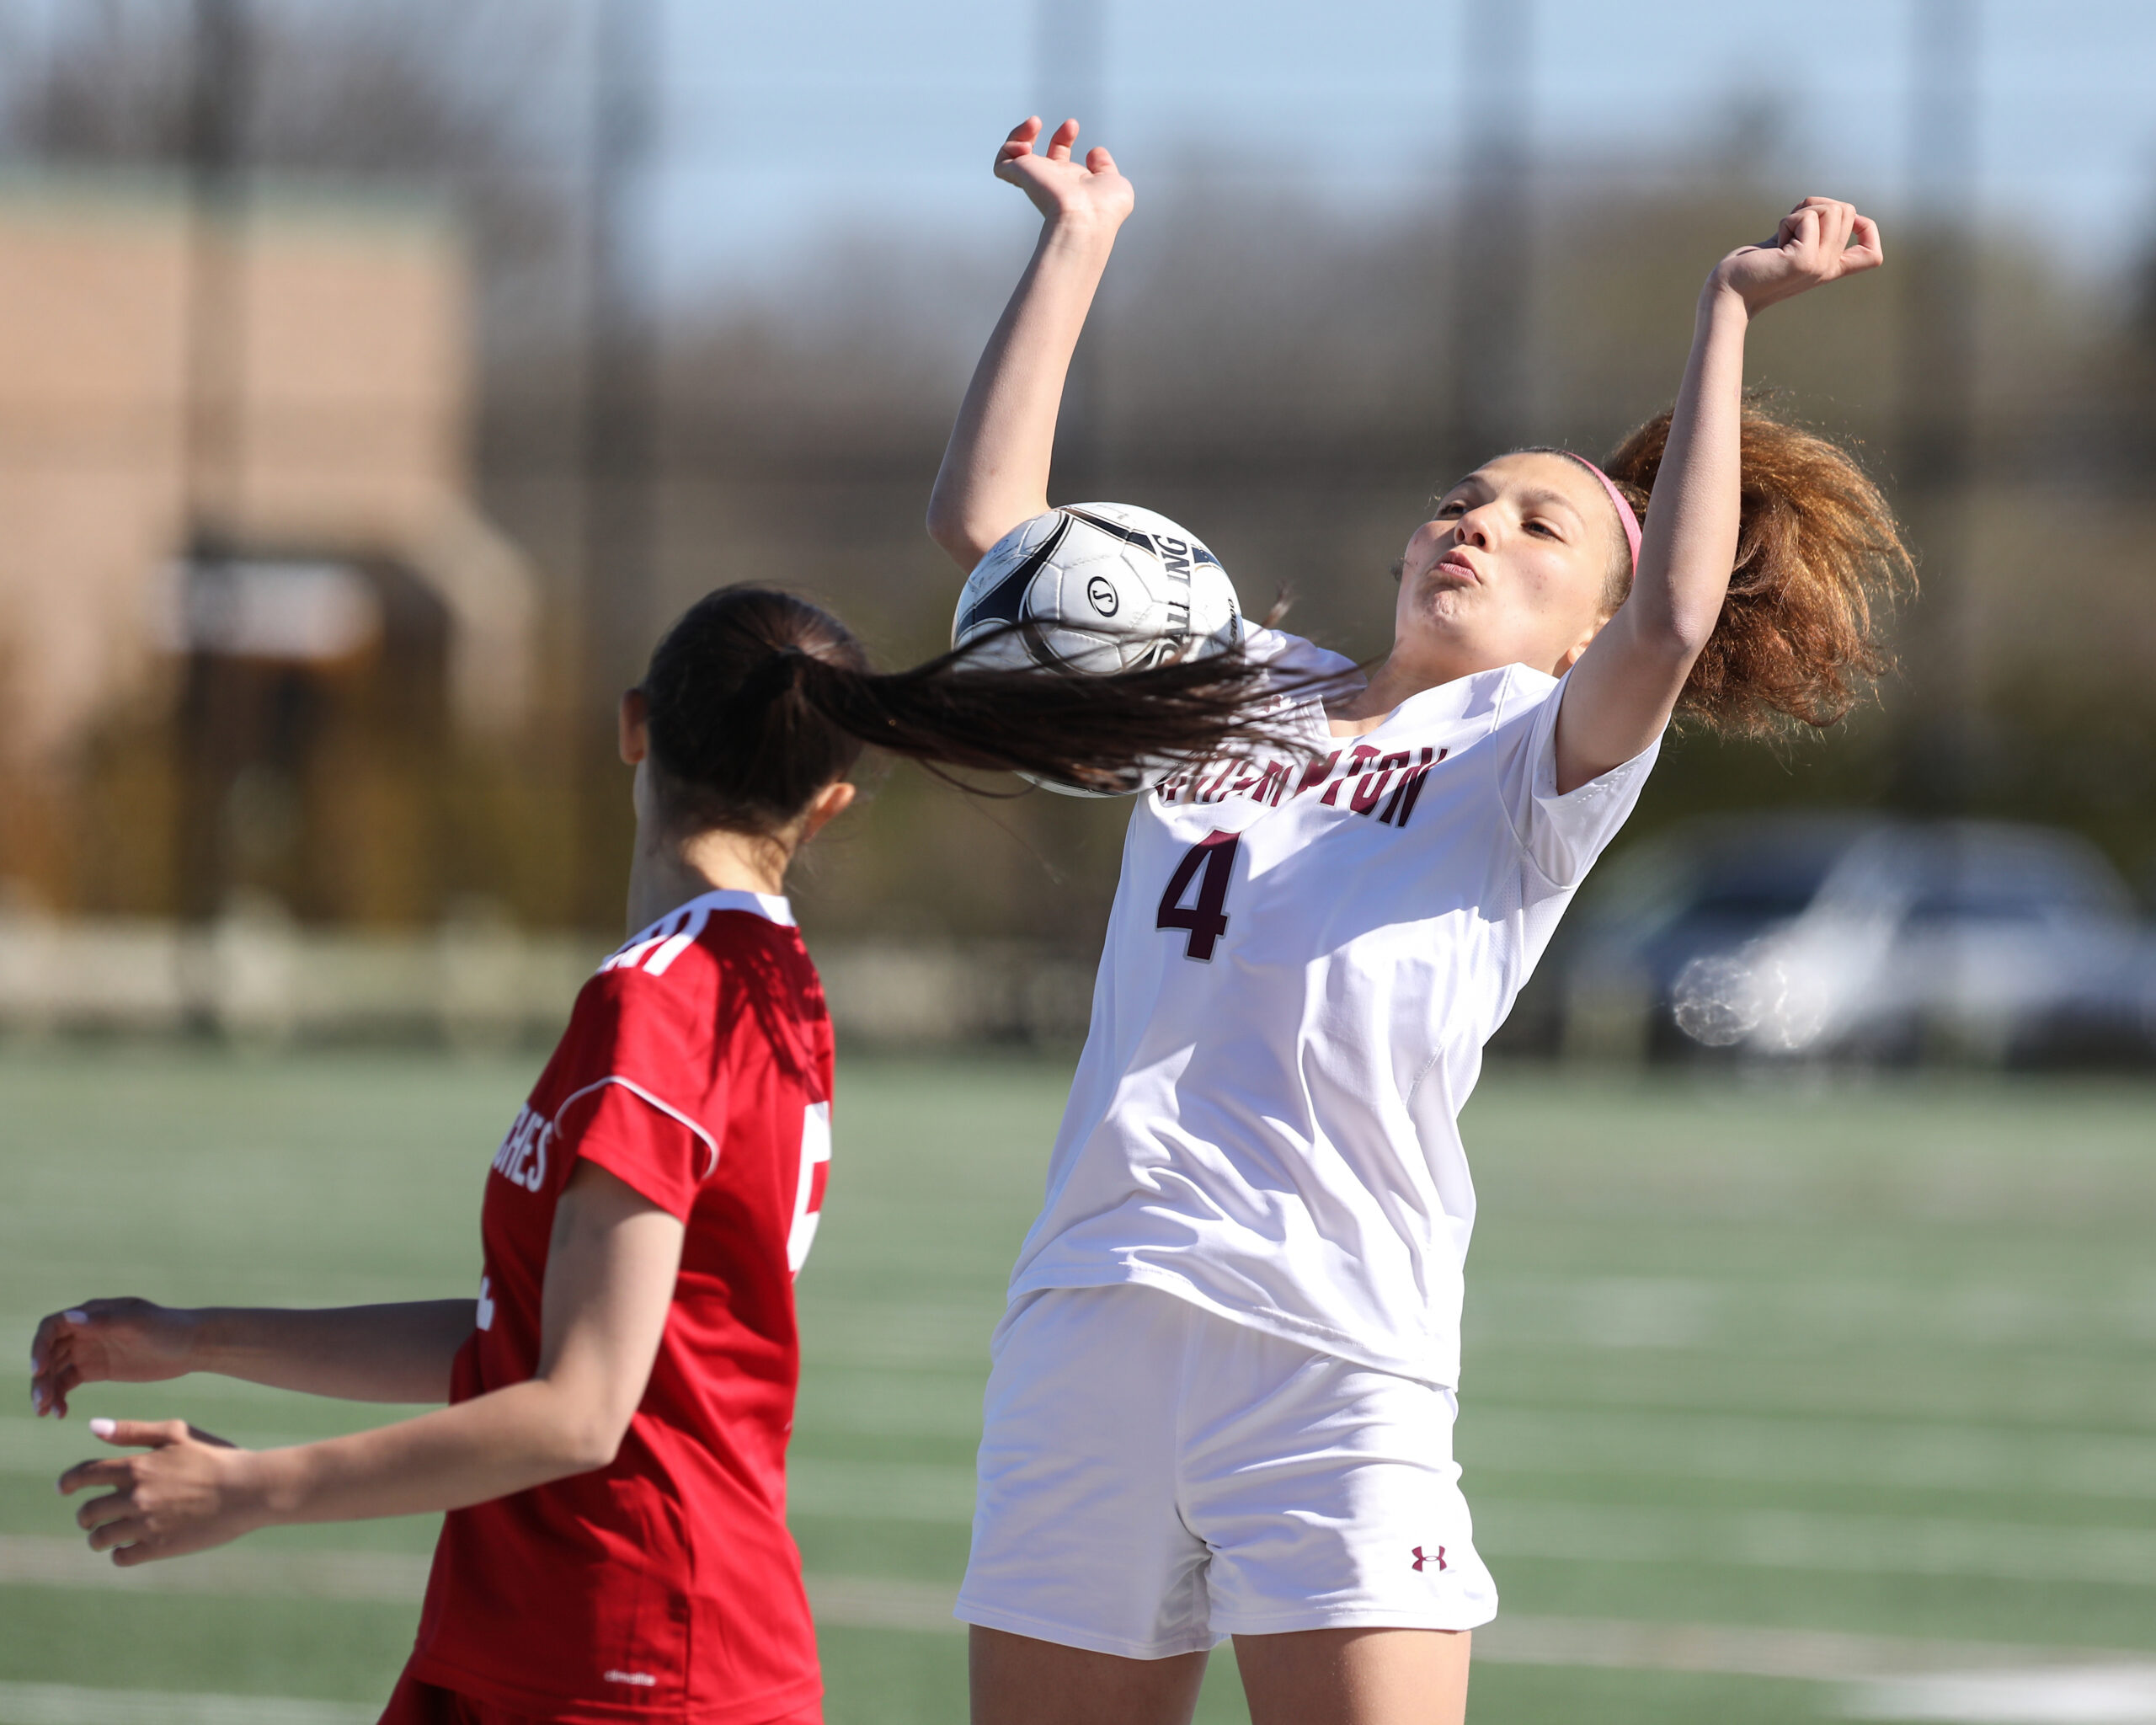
x=1110 y=588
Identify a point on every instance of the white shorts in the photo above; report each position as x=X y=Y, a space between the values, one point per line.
x=1154 y=1479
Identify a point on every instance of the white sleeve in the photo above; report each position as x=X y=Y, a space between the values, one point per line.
x=1291 y=663
x=1560 y=834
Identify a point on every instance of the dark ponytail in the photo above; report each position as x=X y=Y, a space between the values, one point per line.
x=757 y=700
x=1819 y=562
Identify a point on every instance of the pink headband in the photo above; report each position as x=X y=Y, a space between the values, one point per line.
x=1624 y=509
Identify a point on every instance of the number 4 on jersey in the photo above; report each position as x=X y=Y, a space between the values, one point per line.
x=1205 y=919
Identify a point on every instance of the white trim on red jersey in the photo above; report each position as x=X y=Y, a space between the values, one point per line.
x=809 y=1197
x=731 y=1043
x=656 y=947
x=635 y=1089
x=653 y=950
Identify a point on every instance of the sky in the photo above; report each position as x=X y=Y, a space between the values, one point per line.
x=780 y=122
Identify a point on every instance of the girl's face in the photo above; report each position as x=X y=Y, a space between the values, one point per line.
x=1513 y=570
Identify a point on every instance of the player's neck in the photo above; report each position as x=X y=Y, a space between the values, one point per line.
x=667 y=871
x=1394 y=681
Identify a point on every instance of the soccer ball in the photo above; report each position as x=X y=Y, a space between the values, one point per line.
x=1109 y=588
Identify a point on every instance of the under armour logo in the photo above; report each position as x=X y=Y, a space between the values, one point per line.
x=1422 y=1557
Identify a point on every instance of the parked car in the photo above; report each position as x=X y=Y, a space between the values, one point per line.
x=1853 y=937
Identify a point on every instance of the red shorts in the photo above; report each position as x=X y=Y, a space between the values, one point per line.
x=412 y=1702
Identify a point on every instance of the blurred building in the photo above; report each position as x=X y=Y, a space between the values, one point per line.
x=250 y=612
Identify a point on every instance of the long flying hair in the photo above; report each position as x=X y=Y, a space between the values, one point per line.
x=759 y=699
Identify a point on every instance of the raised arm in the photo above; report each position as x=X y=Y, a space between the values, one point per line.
x=611 y=1270
x=995 y=469
x=1620 y=694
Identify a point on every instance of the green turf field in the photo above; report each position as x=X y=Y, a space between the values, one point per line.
x=1761 y=1377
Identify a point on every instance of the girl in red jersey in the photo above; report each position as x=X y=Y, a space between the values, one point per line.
x=621 y=1391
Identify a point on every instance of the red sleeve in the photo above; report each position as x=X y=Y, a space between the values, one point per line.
x=633 y=1089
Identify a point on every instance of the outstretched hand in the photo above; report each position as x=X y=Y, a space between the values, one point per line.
x=1820 y=241
x=105 y=1341
x=1062 y=189
x=188 y=1490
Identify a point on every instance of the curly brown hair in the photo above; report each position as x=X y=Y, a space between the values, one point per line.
x=1820 y=561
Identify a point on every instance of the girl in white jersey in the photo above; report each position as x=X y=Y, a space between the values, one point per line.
x=1222 y=1401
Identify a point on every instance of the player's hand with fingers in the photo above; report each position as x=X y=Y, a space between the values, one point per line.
x=1821 y=240
x=186 y=1492
x=1087 y=189
x=107 y=1341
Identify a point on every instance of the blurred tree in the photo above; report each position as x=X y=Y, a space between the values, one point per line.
x=2133 y=385
x=1283 y=378
x=465 y=102
x=428 y=93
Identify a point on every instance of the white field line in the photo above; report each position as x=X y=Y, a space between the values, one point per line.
x=2037 y=1686
x=42 y=1561
x=892 y=1491
x=874 y=1602
x=1804 y=1655
x=1752 y=1539
x=898 y=1335
x=1857 y=1545
x=860 y=1602
x=865 y=1602
x=1932 y=1457
x=42 y=1448
x=1517 y=1440
x=1928 y=1456
x=1572 y=1532
x=64 y=1704
x=1714 y=1315
x=1770 y=1538
x=2094 y=1694
x=2064 y=1695
x=389 y=1578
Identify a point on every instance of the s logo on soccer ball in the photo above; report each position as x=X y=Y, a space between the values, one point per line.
x=1101 y=588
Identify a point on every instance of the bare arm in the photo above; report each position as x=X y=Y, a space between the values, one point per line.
x=1625 y=686
x=611 y=1269
x=995 y=469
x=398 y=1352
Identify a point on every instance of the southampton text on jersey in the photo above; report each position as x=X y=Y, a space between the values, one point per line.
x=1366 y=771
x=1386 y=785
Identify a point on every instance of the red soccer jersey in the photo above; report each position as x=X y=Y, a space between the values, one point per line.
x=696 y=1067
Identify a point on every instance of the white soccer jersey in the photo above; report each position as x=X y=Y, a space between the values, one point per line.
x=1304 y=962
